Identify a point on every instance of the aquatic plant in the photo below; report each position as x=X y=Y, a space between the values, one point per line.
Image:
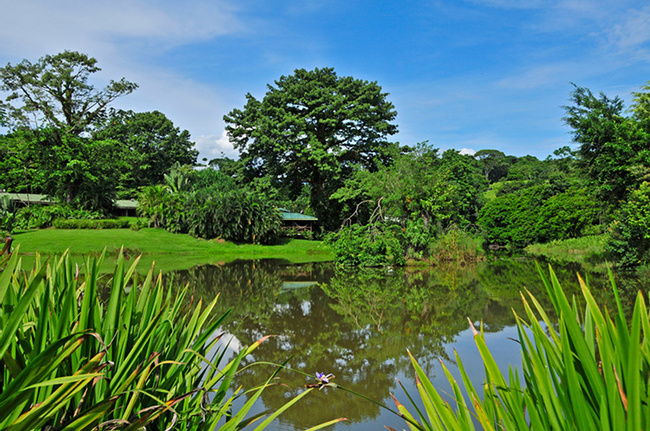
x=586 y=371
x=143 y=356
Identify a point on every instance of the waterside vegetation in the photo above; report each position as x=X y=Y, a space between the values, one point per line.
x=145 y=357
x=587 y=370
x=319 y=144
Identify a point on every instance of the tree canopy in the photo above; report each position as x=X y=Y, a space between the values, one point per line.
x=151 y=145
x=313 y=127
x=613 y=147
x=55 y=92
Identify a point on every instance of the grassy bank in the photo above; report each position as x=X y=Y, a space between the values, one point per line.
x=585 y=250
x=169 y=251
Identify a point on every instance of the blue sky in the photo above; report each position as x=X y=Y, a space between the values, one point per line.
x=470 y=74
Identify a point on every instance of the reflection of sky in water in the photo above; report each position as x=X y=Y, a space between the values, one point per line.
x=329 y=331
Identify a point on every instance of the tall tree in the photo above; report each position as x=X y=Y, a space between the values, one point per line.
x=495 y=164
x=152 y=144
x=314 y=127
x=52 y=104
x=55 y=91
x=613 y=150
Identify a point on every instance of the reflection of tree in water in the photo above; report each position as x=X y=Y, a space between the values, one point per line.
x=358 y=324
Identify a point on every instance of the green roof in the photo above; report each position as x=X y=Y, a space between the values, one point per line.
x=27 y=197
x=126 y=204
x=33 y=198
x=289 y=216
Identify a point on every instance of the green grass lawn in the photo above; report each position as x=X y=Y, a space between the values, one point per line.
x=582 y=250
x=169 y=251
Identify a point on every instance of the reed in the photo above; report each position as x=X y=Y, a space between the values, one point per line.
x=588 y=370
x=146 y=356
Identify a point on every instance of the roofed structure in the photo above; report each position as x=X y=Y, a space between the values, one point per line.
x=296 y=221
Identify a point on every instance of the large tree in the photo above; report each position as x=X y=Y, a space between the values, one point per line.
x=51 y=105
x=152 y=146
x=614 y=149
x=55 y=92
x=315 y=128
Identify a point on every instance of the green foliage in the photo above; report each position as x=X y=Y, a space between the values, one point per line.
x=527 y=168
x=368 y=245
x=630 y=240
x=313 y=127
x=209 y=180
x=495 y=164
x=143 y=357
x=91 y=224
x=613 y=151
x=151 y=146
x=421 y=191
x=43 y=216
x=73 y=170
x=417 y=237
x=587 y=371
x=55 y=91
x=79 y=171
x=586 y=249
x=20 y=163
x=235 y=216
x=458 y=246
x=157 y=205
x=538 y=214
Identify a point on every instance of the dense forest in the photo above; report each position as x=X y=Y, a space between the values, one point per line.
x=320 y=144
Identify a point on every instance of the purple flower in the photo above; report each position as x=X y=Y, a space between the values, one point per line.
x=324 y=379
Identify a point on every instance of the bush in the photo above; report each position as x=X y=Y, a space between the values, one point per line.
x=235 y=216
x=43 y=216
x=456 y=245
x=629 y=244
x=90 y=224
x=368 y=245
x=537 y=214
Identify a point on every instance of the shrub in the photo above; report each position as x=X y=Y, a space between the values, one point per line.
x=538 y=214
x=418 y=236
x=162 y=208
x=456 y=245
x=368 y=245
x=91 y=224
x=587 y=371
x=235 y=216
x=43 y=216
x=630 y=240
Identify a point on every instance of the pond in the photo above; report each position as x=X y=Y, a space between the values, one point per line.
x=359 y=325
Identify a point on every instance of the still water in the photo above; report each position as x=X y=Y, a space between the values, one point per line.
x=359 y=325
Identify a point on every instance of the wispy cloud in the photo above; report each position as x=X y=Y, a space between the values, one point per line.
x=631 y=35
x=40 y=24
x=512 y=4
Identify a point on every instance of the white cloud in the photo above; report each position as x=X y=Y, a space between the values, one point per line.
x=632 y=33
x=467 y=151
x=512 y=4
x=211 y=146
x=539 y=75
x=124 y=36
x=39 y=25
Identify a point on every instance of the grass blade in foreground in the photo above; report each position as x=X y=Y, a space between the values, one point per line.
x=147 y=358
x=589 y=371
